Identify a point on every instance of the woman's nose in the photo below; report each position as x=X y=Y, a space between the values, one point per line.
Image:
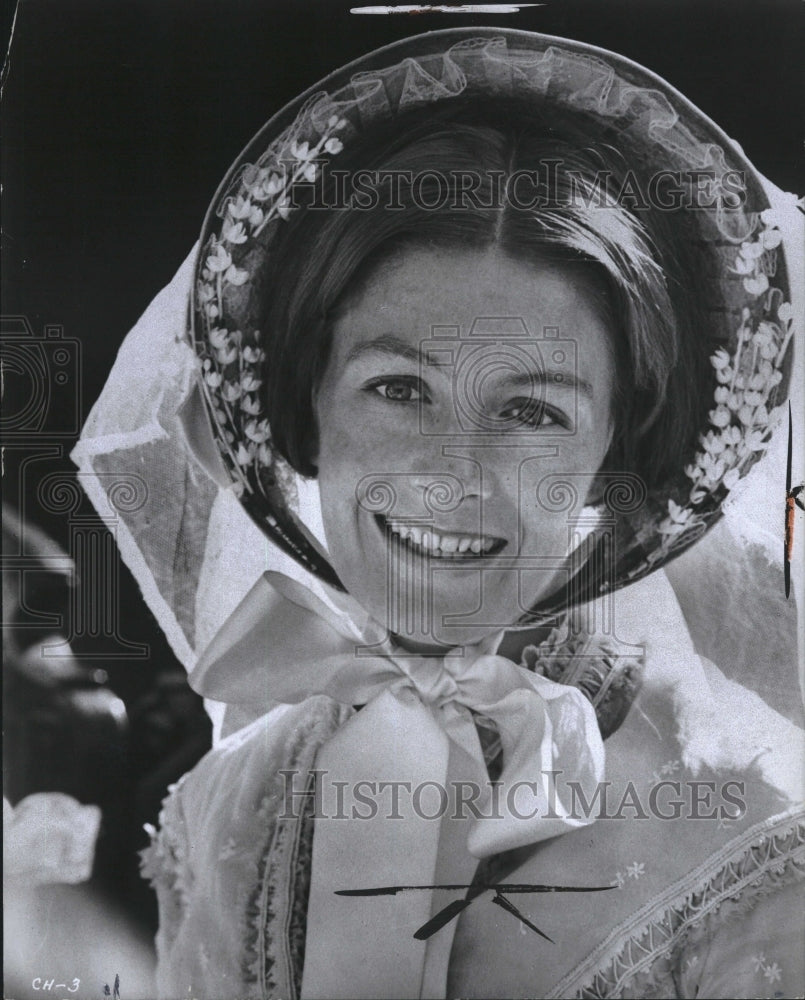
x=455 y=465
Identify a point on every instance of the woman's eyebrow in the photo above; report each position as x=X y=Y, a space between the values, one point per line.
x=386 y=344
x=553 y=376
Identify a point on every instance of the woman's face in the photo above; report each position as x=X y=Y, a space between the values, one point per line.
x=458 y=381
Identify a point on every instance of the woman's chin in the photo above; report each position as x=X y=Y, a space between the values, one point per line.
x=452 y=615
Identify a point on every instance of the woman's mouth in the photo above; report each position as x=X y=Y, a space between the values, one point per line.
x=440 y=544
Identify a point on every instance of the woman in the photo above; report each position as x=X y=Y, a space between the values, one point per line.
x=503 y=319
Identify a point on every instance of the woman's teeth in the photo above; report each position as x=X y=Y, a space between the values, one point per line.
x=443 y=544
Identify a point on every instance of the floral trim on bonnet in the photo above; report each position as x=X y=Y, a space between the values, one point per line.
x=230 y=371
x=742 y=422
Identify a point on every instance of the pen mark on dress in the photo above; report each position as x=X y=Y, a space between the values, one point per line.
x=501 y=890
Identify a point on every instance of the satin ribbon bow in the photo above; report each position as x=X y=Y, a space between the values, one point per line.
x=415 y=733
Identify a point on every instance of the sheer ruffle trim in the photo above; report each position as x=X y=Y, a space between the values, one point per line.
x=133 y=463
x=638 y=959
x=579 y=80
x=164 y=863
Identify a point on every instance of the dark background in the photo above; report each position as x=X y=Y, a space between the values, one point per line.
x=120 y=118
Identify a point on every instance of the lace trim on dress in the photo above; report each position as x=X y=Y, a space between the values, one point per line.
x=276 y=911
x=638 y=955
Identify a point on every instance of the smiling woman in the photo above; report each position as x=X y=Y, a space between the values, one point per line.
x=401 y=412
x=484 y=331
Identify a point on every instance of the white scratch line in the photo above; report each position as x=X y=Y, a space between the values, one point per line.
x=463 y=8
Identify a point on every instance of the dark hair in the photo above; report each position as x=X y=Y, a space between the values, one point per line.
x=644 y=257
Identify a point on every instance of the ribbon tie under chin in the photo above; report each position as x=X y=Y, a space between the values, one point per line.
x=403 y=796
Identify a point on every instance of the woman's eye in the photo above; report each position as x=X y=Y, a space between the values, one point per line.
x=399 y=393
x=396 y=390
x=531 y=413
